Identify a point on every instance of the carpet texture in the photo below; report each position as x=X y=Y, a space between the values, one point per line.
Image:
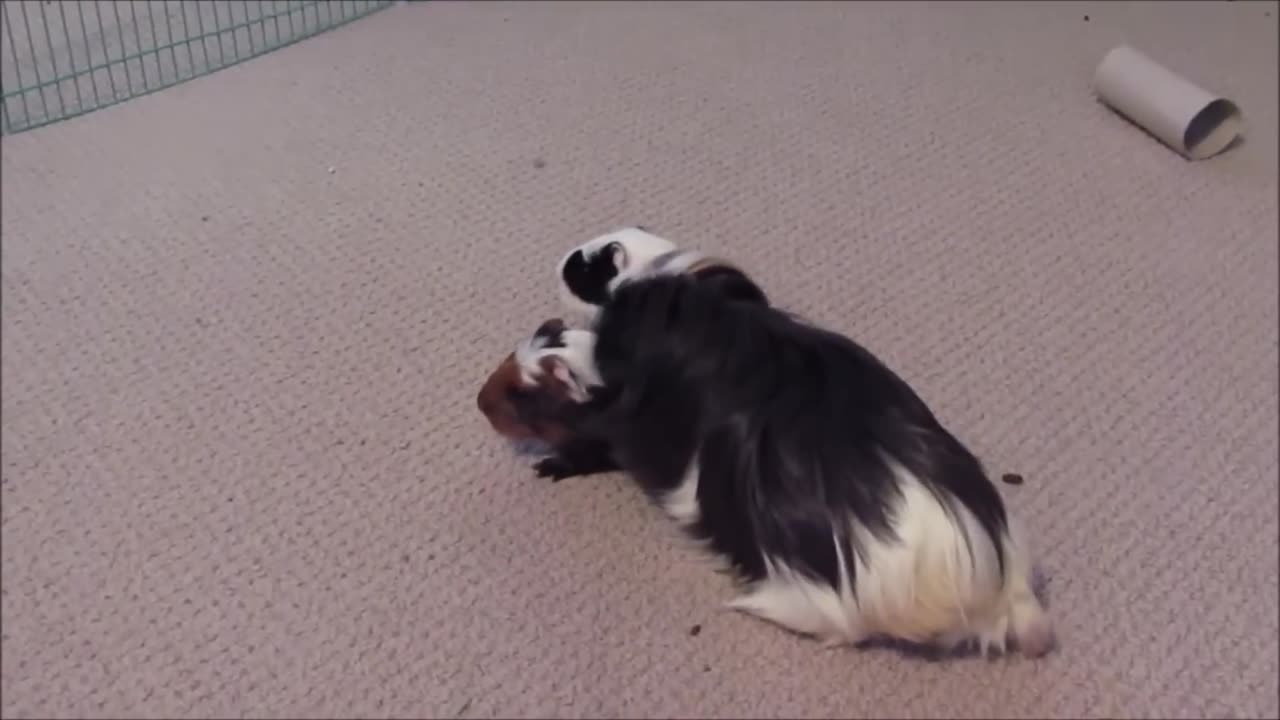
x=244 y=320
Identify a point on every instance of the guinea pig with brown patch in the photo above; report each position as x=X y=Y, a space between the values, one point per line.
x=539 y=392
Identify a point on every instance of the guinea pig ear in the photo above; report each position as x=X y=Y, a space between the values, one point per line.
x=553 y=325
x=550 y=328
x=564 y=379
x=618 y=254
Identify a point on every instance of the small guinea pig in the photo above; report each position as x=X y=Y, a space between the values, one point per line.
x=589 y=274
x=535 y=394
x=521 y=404
x=499 y=401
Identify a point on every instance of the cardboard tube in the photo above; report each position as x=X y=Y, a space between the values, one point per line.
x=1192 y=121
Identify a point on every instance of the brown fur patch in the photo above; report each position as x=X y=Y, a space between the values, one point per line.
x=708 y=263
x=495 y=401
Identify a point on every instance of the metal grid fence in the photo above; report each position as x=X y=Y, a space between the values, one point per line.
x=63 y=58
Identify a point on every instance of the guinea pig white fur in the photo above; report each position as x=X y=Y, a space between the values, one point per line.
x=565 y=353
x=818 y=473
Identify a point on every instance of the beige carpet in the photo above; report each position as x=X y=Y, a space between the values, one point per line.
x=243 y=474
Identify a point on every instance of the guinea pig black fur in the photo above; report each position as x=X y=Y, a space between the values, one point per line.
x=537 y=393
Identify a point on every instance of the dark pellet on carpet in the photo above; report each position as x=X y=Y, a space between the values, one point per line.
x=1086 y=18
x=695 y=630
x=1011 y=478
x=539 y=163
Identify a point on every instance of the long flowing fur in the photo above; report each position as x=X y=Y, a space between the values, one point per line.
x=816 y=471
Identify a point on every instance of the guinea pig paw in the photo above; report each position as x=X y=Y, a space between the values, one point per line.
x=555 y=468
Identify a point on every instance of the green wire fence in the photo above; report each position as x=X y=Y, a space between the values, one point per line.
x=63 y=58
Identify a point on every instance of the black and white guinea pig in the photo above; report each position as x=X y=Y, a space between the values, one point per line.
x=590 y=273
x=842 y=501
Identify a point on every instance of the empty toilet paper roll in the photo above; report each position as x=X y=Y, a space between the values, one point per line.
x=1187 y=118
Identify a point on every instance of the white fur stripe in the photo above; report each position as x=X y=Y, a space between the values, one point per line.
x=682 y=503
x=577 y=356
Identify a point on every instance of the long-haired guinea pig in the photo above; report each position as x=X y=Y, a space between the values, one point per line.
x=590 y=273
x=796 y=454
x=538 y=393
